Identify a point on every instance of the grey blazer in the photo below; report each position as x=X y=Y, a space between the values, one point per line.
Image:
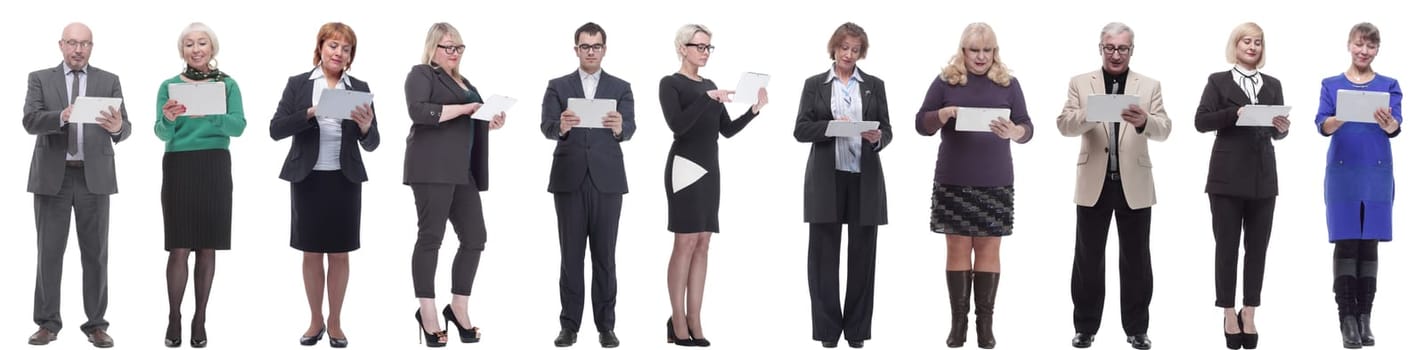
x=456 y=151
x=584 y=150
x=819 y=191
x=45 y=99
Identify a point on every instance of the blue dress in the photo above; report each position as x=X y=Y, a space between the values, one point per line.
x=1360 y=180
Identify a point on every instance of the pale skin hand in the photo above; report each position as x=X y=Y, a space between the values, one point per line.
x=64 y=116
x=449 y=112
x=872 y=136
x=567 y=120
x=1280 y=122
x=1386 y=121
x=498 y=121
x=1006 y=129
x=720 y=95
x=761 y=100
x=947 y=113
x=614 y=121
x=1135 y=115
x=110 y=120
x=363 y=115
x=172 y=109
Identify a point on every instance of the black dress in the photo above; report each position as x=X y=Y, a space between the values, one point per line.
x=695 y=120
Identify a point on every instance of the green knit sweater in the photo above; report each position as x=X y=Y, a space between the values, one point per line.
x=192 y=133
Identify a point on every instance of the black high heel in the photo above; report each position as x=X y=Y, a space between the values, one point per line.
x=471 y=335
x=177 y=340
x=1249 y=340
x=1234 y=340
x=199 y=342
x=431 y=340
x=696 y=341
x=673 y=338
x=312 y=340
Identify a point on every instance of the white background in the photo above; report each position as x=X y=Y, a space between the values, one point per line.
x=757 y=291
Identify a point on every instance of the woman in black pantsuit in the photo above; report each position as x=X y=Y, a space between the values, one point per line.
x=325 y=170
x=1241 y=177
x=844 y=185
x=693 y=108
x=447 y=161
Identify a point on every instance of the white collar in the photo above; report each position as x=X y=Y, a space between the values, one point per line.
x=583 y=75
x=855 y=74
x=318 y=73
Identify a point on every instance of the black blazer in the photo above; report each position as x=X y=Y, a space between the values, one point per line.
x=447 y=152
x=583 y=150
x=820 y=188
x=1244 y=163
x=291 y=120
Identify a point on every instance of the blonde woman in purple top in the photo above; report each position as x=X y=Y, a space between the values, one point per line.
x=973 y=198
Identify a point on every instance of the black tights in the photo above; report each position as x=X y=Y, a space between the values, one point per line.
x=203 y=268
x=1355 y=269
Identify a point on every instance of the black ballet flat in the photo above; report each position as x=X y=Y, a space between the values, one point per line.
x=312 y=340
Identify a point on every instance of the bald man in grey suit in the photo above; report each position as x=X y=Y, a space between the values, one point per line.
x=72 y=169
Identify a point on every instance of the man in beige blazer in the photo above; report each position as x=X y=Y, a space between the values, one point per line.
x=1115 y=178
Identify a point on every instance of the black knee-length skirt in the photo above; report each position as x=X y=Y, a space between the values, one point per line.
x=197 y=199
x=326 y=213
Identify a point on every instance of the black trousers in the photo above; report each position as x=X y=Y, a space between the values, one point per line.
x=1248 y=222
x=824 y=265
x=1135 y=267
x=460 y=205
x=587 y=216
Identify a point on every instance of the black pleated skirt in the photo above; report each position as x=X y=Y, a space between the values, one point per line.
x=197 y=199
x=326 y=213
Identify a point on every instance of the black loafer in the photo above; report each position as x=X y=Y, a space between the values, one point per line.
x=1082 y=340
x=608 y=339
x=1140 y=342
x=566 y=338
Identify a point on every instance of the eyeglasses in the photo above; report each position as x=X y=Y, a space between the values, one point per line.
x=75 y=44
x=1122 y=50
x=590 y=48
x=704 y=48
x=452 y=49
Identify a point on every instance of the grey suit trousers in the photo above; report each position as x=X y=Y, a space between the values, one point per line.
x=91 y=213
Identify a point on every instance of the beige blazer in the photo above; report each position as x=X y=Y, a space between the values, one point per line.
x=1135 y=166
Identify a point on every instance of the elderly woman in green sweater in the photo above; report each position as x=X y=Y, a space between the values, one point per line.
x=197 y=176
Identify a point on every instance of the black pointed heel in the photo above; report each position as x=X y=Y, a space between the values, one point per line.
x=431 y=340
x=467 y=335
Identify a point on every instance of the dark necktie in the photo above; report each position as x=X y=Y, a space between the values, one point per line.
x=1113 y=140
x=73 y=95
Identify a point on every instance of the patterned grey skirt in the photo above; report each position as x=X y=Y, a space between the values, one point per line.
x=972 y=211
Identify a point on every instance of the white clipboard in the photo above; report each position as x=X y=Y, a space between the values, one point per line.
x=86 y=109
x=202 y=98
x=978 y=119
x=1108 y=108
x=338 y=104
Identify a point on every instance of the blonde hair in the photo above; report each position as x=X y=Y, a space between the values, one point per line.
x=955 y=72
x=199 y=27
x=439 y=31
x=1245 y=30
x=685 y=35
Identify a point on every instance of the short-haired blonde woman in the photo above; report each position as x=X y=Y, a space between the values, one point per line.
x=447 y=165
x=325 y=170
x=693 y=107
x=197 y=190
x=1360 y=184
x=973 y=199
x=1241 y=177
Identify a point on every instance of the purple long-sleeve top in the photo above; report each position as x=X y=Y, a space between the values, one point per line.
x=978 y=159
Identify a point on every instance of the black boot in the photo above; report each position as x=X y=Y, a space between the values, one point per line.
x=1344 y=287
x=986 y=286
x=959 y=284
x=1365 y=297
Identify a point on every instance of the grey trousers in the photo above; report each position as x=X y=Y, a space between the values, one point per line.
x=91 y=213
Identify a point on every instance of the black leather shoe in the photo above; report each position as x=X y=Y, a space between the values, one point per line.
x=856 y=344
x=608 y=339
x=566 y=338
x=1082 y=340
x=312 y=340
x=673 y=339
x=338 y=342
x=828 y=344
x=1140 y=341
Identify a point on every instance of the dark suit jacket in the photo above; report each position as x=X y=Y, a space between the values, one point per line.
x=291 y=120
x=447 y=152
x=45 y=99
x=820 y=189
x=1244 y=163
x=584 y=150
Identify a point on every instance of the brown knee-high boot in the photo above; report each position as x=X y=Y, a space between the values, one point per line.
x=986 y=286
x=959 y=284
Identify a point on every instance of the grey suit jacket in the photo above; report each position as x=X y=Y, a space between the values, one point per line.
x=584 y=150
x=45 y=99
x=455 y=151
x=813 y=114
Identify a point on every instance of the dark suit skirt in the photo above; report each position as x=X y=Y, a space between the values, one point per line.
x=326 y=213
x=197 y=199
x=972 y=211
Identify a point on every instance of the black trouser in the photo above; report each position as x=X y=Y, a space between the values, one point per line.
x=1135 y=269
x=436 y=204
x=1248 y=221
x=587 y=216
x=824 y=265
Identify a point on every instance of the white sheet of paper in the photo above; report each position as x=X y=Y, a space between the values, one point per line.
x=747 y=87
x=685 y=173
x=494 y=104
x=591 y=111
x=86 y=109
x=847 y=128
x=978 y=119
x=1261 y=115
x=1360 y=106
x=1109 y=108
x=206 y=98
x=338 y=104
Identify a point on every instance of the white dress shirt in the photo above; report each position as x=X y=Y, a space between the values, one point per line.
x=846 y=102
x=590 y=82
x=1249 y=80
x=329 y=144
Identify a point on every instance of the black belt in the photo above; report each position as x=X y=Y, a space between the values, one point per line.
x=74 y=163
x=1113 y=176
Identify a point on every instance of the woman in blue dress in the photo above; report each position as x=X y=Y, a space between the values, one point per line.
x=1360 y=184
